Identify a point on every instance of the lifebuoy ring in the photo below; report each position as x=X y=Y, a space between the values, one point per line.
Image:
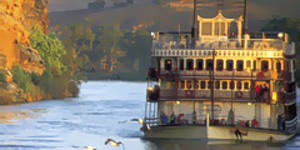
x=238 y=94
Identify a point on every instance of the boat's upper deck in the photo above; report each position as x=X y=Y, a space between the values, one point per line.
x=221 y=34
x=252 y=47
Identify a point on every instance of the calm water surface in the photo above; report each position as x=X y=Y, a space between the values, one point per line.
x=71 y=124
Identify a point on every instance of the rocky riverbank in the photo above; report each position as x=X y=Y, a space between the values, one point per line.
x=30 y=72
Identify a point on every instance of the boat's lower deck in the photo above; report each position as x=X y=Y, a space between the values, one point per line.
x=216 y=132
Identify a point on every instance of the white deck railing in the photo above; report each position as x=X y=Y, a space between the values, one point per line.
x=262 y=45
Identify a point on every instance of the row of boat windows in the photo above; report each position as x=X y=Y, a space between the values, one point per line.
x=221 y=65
x=218 y=84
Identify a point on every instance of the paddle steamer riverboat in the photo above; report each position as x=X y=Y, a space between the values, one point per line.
x=220 y=82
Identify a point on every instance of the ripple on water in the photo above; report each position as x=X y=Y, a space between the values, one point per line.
x=24 y=146
x=39 y=140
x=94 y=116
x=93 y=113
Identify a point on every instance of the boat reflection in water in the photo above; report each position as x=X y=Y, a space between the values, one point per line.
x=162 y=144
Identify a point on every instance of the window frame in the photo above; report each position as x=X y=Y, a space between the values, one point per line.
x=217 y=85
x=199 y=67
x=239 y=85
x=246 y=88
x=254 y=65
x=182 y=84
x=263 y=63
x=188 y=63
x=166 y=65
x=220 y=62
x=189 y=84
x=232 y=85
x=209 y=61
x=209 y=84
x=248 y=64
x=227 y=65
x=202 y=85
x=238 y=62
x=224 y=83
x=278 y=68
x=181 y=64
x=196 y=84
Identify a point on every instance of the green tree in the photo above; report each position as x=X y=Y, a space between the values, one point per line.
x=79 y=36
x=107 y=45
x=59 y=74
x=78 y=40
x=50 y=48
x=138 y=46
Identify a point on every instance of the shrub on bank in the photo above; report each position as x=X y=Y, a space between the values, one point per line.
x=2 y=76
x=56 y=79
x=21 y=78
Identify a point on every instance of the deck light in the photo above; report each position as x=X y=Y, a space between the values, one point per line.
x=280 y=35
x=249 y=104
x=153 y=34
x=150 y=89
x=177 y=102
x=274 y=96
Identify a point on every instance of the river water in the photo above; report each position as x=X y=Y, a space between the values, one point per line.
x=71 y=124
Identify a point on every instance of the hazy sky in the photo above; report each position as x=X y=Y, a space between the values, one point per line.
x=259 y=7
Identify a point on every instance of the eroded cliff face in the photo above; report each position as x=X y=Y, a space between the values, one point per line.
x=17 y=17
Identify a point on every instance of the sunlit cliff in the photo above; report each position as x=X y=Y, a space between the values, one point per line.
x=17 y=19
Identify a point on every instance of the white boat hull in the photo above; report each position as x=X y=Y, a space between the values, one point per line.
x=215 y=133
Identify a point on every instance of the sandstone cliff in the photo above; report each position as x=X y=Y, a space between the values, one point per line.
x=17 y=17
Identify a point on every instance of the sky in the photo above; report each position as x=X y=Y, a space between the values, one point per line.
x=261 y=8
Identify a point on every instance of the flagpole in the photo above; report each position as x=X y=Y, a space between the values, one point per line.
x=245 y=15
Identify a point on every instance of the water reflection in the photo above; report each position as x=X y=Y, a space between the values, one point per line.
x=8 y=116
x=93 y=117
x=209 y=145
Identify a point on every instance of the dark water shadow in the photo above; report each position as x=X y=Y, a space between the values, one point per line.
x=163 y=144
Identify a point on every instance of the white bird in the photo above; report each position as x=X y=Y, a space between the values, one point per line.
x=89 y=148
x=112 y=142
x=139 y=120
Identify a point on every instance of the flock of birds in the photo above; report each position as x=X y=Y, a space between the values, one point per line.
x=115 y=143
